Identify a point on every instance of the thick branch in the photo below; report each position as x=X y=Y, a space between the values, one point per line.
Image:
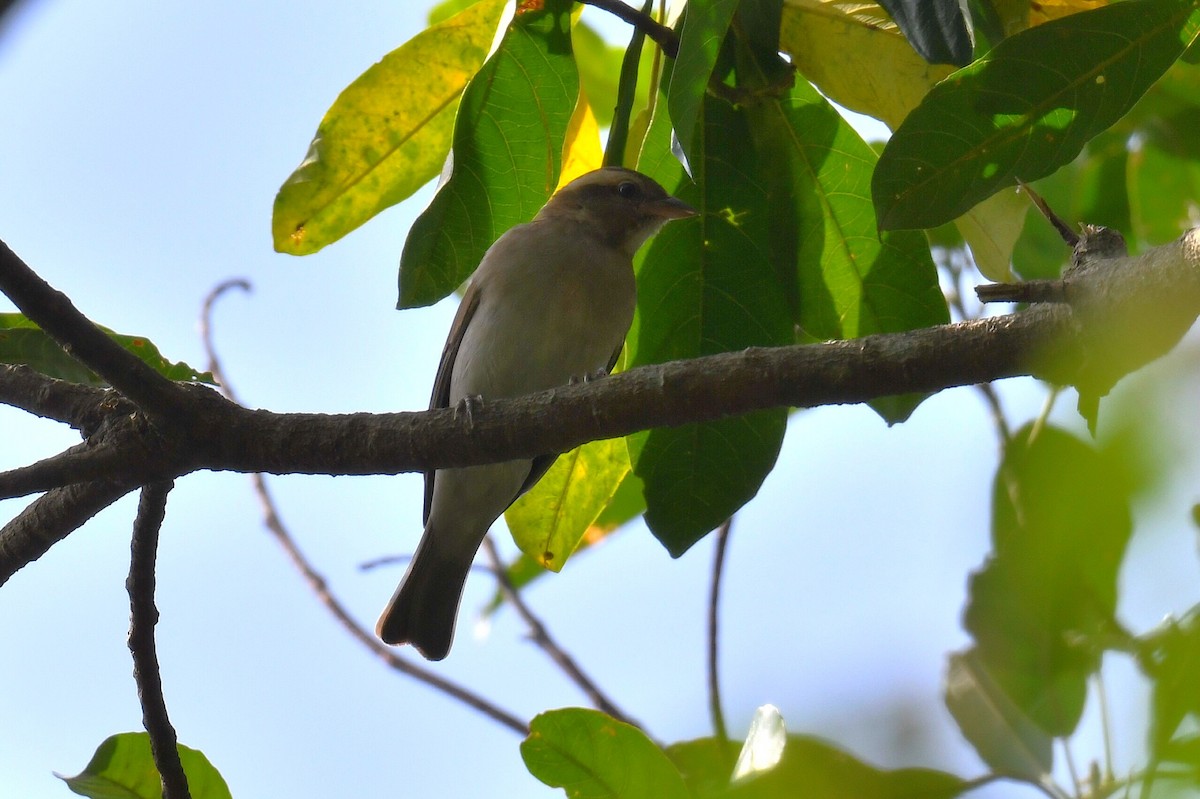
x=1122 y=313
x=55 y=314
x=82 y=407
x=78 y=464
x=50 y=519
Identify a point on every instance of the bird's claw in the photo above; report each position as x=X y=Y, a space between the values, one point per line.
x=466 y=407
x=588 y=377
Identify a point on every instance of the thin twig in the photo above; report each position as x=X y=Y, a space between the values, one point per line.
x=661 y=34
x=1064 y=230
x=318 y=584
x=320 y=587
x=986 y=390
x=714 y=595
x=542 y=638
x=143 y=616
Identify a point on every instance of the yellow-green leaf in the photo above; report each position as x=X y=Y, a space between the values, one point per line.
x=857 y=56
x=386 y=135
x=991 y=229
x=550 y=520
x=123 y=768
x=582 y=152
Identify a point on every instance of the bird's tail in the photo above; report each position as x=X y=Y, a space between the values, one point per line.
x=424 y=608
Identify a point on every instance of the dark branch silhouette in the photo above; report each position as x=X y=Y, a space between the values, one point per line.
x=319 y=586
x=544 y=641
x=1123 y=312
x=143 y=616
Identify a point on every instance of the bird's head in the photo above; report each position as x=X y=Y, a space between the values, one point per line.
x=618 y=206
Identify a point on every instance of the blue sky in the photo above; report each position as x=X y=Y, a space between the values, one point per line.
x=140 y=152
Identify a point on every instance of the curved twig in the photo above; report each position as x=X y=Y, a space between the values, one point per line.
x=544 y=641
x=320 y=588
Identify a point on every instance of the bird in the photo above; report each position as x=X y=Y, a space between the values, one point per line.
x=549 y=304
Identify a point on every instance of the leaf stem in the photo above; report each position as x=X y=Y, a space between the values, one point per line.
x=714 y=683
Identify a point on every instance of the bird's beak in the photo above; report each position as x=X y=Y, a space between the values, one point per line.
x=669 y=208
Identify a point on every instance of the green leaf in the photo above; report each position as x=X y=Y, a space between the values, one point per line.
x=1163 y=188
x=23 y=342
x=593 y=755
x=991 y=229
x=1176 y=688
x=1026 y=108
x=707 y=285
x=386 y=135
x=842 y=277
x=1004 y=737
x=446 y=9
x=600 y=70
x=852 y=281
x=705 y=764
x=123 y=768
x=625 y=505
x=703 y=30
x=507 y=153
x=1044 y=602
x=550 y=520
x=858 y=57
x=812 y=769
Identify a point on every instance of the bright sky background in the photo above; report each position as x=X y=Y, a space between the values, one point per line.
x=141 y=148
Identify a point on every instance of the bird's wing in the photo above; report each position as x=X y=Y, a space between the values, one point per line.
x=441 y=383
x=616 y=356
x=542 y=463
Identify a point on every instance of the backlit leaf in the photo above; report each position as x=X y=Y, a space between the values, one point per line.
x=386 y=135
x=507 y=154
x=595 y=756
x=1026 y=108
x=123 y=768
x=23 y=342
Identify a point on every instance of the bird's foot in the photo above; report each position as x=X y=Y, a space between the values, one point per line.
x=466 y=407
x=588 y=377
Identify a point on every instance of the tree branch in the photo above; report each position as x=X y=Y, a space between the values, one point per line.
x=143 y=616
x=320 y=588
x=55 y=314
x=663 y=36
x=1123 y=313
x=71 y=403
x=51 y=518
x=542 y=638
x=79 y=464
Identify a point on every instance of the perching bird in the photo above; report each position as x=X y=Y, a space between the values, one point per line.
x=550 y=302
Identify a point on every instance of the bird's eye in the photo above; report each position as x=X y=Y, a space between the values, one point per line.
x=629 y=190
